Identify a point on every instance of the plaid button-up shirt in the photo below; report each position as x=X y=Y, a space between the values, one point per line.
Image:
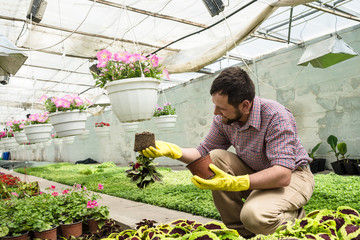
x=268 y=138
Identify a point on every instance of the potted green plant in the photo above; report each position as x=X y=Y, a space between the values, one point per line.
x=314 y=165
x=67 y=114
x=165 y=117
x=96 y=215
x=8 y=139
x=348 y=163
x=131 y=82
x=37 y=127
x=340 y=151
x=102 y=129
x=18 y=129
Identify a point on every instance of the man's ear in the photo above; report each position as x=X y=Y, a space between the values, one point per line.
x=245 y=106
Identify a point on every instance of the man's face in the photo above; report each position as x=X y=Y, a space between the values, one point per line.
x=228 y=112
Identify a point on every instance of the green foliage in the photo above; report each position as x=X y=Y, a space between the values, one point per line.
x=143 y=172
x=166 y=110
x=342 y=148
x=332 y=141
x=176 y=191
x=342 y=224
x=179 y=229
x=312 y=153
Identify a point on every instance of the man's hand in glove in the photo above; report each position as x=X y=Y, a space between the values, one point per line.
x=222 y=181
x=163 y=149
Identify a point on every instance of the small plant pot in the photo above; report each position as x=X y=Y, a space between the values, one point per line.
x=20 y=237
x=350 y=167
x=321 y=166
x=338 y=167
x=72 y=229
x=50 y=234
x=93 y=225
x=357 y=166
x=314 y=166
x=200 y=167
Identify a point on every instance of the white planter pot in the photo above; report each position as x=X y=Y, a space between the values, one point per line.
x=27 y=147
x=38 y=132
x=102 y=131
x=20 y=137
x=133 y=99
x=70 y=123
x=131 y=126
x=9 y=143
x=69 y=140
x=165 y=122
x=85 y=135
x=57 y=141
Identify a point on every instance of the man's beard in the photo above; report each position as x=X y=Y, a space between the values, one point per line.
x=229 y=121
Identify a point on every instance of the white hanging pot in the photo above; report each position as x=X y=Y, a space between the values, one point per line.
x=133 y=99
x=102 y=131
x=10 y=143
x=165 y=122
x=20 y=137
x=84 y=135
x=131 y=126
x=69 y=140
x=69 y=123
x=38 y=132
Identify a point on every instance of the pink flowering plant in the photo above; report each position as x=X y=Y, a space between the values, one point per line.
x=123 y=65
x=16 y=125
x=166 y=110
x=6 y=133
x=78 y=204
x=65 y=103
x=38 y=118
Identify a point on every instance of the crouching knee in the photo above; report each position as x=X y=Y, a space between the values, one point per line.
x=258 y=221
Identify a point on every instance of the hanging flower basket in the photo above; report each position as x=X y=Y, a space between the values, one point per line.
x=38 y=133
x=10 y=143
x=130 y=126
x=165 y=122
x=84 y=135
x=102 y=131
x=70 y=123
x=133 y=99
x=20 y=137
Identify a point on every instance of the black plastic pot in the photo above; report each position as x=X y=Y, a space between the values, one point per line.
x=338 y=167
x=322 y=162
x=350 y=168
x=314 y=166
x=357 y=166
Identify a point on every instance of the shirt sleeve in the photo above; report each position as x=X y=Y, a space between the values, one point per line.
x=216 y=138
x=281 y=142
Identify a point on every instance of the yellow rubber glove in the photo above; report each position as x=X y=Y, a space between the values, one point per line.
x=163 y=149
x=222 y=181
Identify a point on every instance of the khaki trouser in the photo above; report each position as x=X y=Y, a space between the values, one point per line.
x=264 y=210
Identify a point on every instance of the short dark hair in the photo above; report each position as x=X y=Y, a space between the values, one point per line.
x=234 y=83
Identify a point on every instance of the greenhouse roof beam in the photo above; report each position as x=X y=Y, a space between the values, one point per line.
x=333 y=11
x=157 y=15
x=85 y=33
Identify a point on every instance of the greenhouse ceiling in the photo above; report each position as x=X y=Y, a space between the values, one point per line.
x=61 y=42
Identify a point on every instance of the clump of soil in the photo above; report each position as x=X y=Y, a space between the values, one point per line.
x=144 y=140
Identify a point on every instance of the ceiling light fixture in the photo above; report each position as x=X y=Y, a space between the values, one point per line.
x=326 y=53
x=36 y=10
x=214 y=6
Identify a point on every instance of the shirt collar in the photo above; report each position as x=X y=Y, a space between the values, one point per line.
x=254 y=118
